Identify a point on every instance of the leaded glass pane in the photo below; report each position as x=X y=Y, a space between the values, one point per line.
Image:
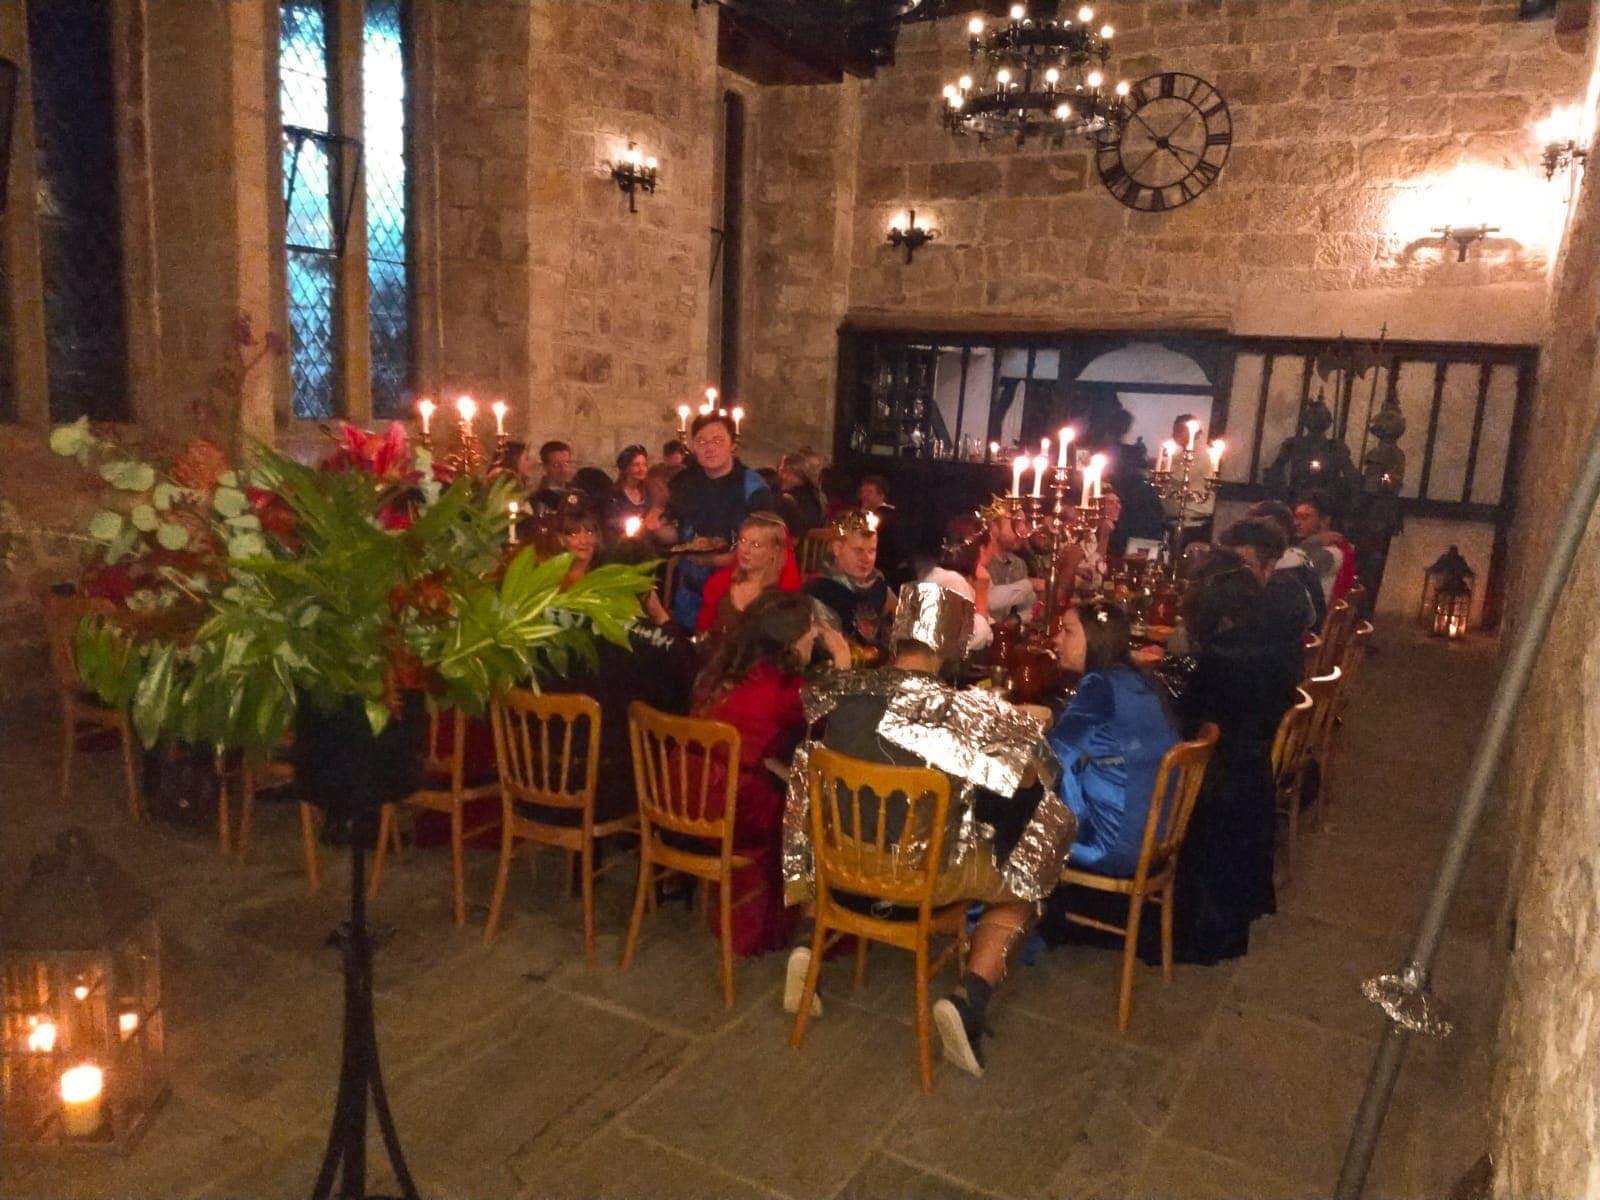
x=80 y=220
x=306 y=100
x=383 y=73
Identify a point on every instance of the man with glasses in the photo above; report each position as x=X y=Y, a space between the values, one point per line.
x=710 y=499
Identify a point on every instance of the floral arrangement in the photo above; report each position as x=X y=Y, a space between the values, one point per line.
x=244 y=592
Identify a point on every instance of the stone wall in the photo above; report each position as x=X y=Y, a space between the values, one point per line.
x=1548 y=1099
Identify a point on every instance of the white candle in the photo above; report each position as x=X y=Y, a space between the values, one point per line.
x=41 y=1036
x=738 y=417
x=1098 y=465
x=513 y=513
x=711 y=397
x=1193 y=427
x=81 y=1090
x=499 y=408
x=683 y=416
x=1040 y=465
x=425 y=411
x=468 y=408
x=1214 y=451
x=1169 y=451
x=127 y=1024
x=631 y=527
x=1044 y=448
x=1067 y=434
x=1019 y=466
x=994 y=450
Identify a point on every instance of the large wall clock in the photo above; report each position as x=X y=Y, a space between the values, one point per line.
x=1171 y=147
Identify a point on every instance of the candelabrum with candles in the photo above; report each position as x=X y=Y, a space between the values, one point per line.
x=1047 y=508
x=465 y=457
x=1176 y=480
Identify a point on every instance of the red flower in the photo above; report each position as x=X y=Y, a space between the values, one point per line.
x=276 y=516
x=114 y=583
x=385 y=455
x=200 y=465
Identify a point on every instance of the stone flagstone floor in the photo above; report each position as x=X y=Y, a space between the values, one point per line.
x=518 y=1070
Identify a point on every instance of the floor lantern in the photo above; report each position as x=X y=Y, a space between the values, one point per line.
x=1446 y=605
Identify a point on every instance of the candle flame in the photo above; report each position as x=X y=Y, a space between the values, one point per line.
x=425 y=409
x=631 y=526
x=467 y=407
x=127 y=1023
x=872 y=522
x=41 y=1036
x=82 y=1083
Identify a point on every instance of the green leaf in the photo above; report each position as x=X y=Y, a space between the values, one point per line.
x=377 y=715
x=248 y=544
x=129 y=476
x=228 y=479
x=172 y=537
x=105 y=525
x=73 y=439
x=230 y=502
x=144 y=518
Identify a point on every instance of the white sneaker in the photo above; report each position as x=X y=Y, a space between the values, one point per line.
x=960 y=1047
x=794 y=982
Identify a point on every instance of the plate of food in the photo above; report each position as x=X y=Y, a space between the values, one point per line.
x=700 y=545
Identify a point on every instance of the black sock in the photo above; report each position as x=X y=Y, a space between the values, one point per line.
x=978 y=991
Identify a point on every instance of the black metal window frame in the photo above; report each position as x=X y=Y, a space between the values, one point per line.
x=338 y=146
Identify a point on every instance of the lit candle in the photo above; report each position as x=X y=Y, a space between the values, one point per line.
x=81 y=992
x=1214 y=452
x=631 y=527
x=499 y=408
x=127 y=1024
x=1316 y=465
x=1193 y=427
x=1044 y=448
x=738 y=416
x=1066 y=436
x=468 y=408
x=41 y=1036
x=1091 y=480
x=1040 y=465
x=81 y=1090
x=1169 y=451
x=683 y=416
x=1019 y=466
x=994 y=451
x=872 y=522
x=1098 y=465
x=513 y=514
x=425 y=412
x=711 y=397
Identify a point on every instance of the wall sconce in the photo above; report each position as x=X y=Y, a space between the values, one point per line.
x=1561 y=156
x=1463 y=236
x=634 y=172
x=1562 y=139
x=905 y=233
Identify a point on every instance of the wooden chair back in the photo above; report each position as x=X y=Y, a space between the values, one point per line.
x=812 y=551
x=1335 y=635
x=1178 y=778
x=1289 y=743
x=1323 y=690
x=1355 y=653
x=851 y=802
x=548 y=749
x=1356 y=598
x=672 y=771
x=62 y=616
x=1312 y=645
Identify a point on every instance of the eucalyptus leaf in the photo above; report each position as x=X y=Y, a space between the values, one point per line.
x=171 y=536
x=105 y=525
x=128 y=475
x=247 y=521
x=71 y=440
x=230 y=502
x=248 y=544
x=144 y=518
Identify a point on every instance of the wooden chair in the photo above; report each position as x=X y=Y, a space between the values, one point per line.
x=1172 y=802
x=1288 y=770
x=1312 y=645
x=1335 y=635
x=1324 y=693
x=866 y=862
x=444 y=790
x=274 y=772
x=812 y=551
x=1355 y=653
x=81 y=710
x=672 y=760
x=548 y=748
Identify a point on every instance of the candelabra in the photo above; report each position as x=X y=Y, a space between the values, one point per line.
x=1172 y=480
x=466 y=456
x=1062 y=524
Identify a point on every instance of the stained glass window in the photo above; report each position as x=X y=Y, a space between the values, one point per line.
x=383 y=73
x=80 y=218
x=305 y=95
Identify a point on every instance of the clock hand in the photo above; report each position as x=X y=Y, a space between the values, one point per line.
x=1134 y=171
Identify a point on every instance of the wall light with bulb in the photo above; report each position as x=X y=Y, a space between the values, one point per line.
x=1474 y=200
x=1563 y=139
x=910 y=233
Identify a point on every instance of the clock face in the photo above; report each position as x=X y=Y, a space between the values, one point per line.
x=1172 y=146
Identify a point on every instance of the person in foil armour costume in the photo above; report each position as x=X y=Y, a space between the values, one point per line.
x=1010 y=830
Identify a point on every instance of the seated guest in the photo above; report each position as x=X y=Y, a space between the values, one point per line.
x=674 y=453
x=1095 y=566
x=1243 y=679
x=1286 y=596
x=852 y=586
x=657 y=527
x=894 y=555
x=632 y=495
x=762 y=562
x=800 y=500
x=1110 y=739
x=1295 y=560
x=578 y=535
x=963 y=568
x=753 y=683
x=555 y=459
x=1333 y=557
x=514 y=459
x=902 y=715
x=710 y=499
x=1011 y=590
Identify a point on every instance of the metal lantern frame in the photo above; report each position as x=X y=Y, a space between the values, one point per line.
x=80 y=979
x=1446 y=606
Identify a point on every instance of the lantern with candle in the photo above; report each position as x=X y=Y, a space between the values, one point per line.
x=81 y=1045
x=1446 y=608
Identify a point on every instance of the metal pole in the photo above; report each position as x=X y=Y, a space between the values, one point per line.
x=1520 y=661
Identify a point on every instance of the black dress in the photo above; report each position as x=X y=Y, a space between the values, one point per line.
x=1243 y=681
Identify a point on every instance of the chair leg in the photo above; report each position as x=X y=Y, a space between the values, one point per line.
x=819 y=943
x=641 y=896
x=457 y=865
x=69 y=744
x=1130 y=955
x=1167 y=905
x=308 y=843
x=130 y=776
x=924 y=1016
x=588 y=897
x=507 y=843
x=385 y=832
x=247 y=810
x=725 y=905
x=861 y=962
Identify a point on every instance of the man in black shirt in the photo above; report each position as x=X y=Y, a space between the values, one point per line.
x=555 y=458
x=894 y=556
x=710 y=499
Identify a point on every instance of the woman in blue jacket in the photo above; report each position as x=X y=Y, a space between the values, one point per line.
x=1110 y=739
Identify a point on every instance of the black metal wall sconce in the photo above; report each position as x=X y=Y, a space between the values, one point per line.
x=635 y=172
x=1464 y=236
x=10 y=74
x=1563 y=156
x=906 y=234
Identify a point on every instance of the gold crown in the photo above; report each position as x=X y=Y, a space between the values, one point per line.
x=996 y=510
x=857 y=520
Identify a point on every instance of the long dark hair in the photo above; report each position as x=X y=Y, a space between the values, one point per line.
x=964 y=539
x=1225 y=595
x=1107 y=635
x=766 y=633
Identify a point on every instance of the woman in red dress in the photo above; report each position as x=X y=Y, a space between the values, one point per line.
x=753 y=683
x=763 y=561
